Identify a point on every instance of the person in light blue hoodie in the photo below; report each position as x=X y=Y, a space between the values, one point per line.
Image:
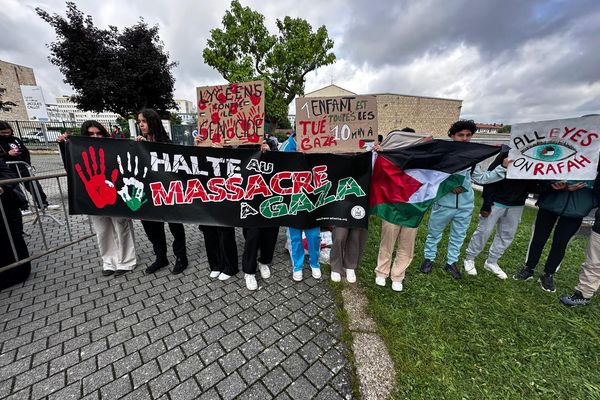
x=294 y=236
x=456 y=207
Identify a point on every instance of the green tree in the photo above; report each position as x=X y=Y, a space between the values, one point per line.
x=110 y=70
x=244 y=50
x=505 y=129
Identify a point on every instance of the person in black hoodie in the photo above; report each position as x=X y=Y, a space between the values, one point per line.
x=12 y=201
x=503 y=203
x=13 y=149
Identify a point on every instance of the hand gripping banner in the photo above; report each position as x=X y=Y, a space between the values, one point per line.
x=211 y=186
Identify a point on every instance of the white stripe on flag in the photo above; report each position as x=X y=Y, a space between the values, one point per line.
x=430 y=179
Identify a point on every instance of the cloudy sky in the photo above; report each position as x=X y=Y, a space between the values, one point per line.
x=510 y=61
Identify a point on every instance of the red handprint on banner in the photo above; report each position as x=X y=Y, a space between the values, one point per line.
x=102 y=192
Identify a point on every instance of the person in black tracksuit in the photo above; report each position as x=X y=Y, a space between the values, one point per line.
x=261 y=240
x=563 y=204
x=13 y=149
x=153 y=131
x=12 y=201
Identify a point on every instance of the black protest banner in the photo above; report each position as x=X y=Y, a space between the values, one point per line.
x=211 y=186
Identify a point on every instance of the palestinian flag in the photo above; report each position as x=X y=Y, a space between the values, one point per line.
x=407 y=181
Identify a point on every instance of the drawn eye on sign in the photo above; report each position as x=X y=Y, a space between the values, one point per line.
x=549 y=151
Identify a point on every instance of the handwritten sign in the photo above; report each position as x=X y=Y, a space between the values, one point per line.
x=231 y=114
x=335 y=124
x=565 y=149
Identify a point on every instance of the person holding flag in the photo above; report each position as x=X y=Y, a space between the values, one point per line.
x=456 y=207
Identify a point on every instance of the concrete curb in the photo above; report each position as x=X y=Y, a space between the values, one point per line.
x=374 y=366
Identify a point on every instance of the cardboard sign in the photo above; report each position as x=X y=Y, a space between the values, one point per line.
x=564 y=149
x=231 y=114
x=335 y=124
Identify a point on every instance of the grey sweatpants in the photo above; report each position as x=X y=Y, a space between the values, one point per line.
x=506 y=221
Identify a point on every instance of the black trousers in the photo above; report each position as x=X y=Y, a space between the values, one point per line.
x=156 y=234
x=21 y=273
x=565 y=229
x=258 y=239
x=221 y=248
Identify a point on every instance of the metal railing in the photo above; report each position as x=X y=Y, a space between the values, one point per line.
x=41 y=218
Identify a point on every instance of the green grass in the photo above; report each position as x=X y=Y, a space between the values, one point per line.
x=483 y=338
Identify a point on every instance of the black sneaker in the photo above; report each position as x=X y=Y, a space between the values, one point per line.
x=523 y=275
x=180 y=265
x=451 y=268
x=107 y=272
x=120 y=272
x=426 y=266
x=576 y=299
x=156 y=265
x=547 y=283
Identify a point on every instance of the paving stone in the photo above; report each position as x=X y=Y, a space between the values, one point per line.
x=109 y=356
x=318 y=374
x=175 y=339
x=145 y=373
x=301 y=389
x=258 y=391
x=232 y=361
x=15 y=368
x=231 y=387
x=189 y=367
x=127 y=364
x=71 y=392
x=28 y=378
x=97 y=379
x=269 y=336
x=209 y=376
x=63 y=362
x=47 y=386
x=253 y=370
x=116 y=389
x=80 y=370
x=231 y=341
x=45 y=356
x=211 y=353
x=187 y=390
x=153 y=350
x=170 y=359
x=276 y=381
x=342 y=383
x=310 y=352
x=328 y=394
x=294 y=366
x=271 y=357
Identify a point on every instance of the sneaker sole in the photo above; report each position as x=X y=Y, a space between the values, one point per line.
x=524 y=280
x=546 y=290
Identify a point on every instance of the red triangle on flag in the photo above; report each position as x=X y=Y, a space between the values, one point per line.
x=390 y=184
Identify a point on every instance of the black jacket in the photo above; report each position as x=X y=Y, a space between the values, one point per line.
x=12 y=142
x=510 y=192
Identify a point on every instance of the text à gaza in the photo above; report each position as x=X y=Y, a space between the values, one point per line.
x=234 y=188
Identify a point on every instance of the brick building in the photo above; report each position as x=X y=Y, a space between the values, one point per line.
x=12 y=76
x=488 y=128
x=396 y=111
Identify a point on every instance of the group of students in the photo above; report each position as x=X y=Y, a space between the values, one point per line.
x=562 y=206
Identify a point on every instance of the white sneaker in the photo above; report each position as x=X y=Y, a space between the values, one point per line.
x=214 y=274
x=297 y=276
x=495 y=269
x=265 y=272
x=251 y=283
x=336 y=277
x=397 y=286
x=316 y=272
x=379 y=281
x=350 y=276
x=224 y=277
x=470 y=267
x=52 y=206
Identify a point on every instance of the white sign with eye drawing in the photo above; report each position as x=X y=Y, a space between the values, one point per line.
x=563 y=149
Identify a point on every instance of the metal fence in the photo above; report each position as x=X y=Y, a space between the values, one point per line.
x=43 y=135
x=45 y=230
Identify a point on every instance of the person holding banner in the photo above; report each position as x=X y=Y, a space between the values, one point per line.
x=456 y=207
x=220 y=244
x=392 y=233
x=115 y=235
x=294 y=236
x=562 y=204
x=153 y=131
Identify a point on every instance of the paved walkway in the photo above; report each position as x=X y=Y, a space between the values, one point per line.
x=70 y=333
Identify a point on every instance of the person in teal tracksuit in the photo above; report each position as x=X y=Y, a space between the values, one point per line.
x=457 y=206
x=294 y=236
